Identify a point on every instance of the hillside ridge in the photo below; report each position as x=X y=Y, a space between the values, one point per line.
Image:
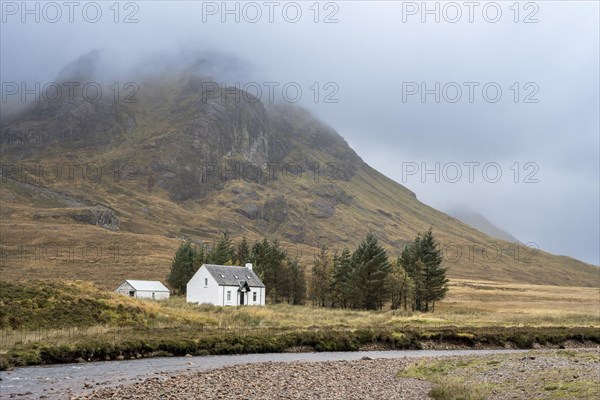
x=181 y=164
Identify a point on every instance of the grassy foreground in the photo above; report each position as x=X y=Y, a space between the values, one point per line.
x=54 y=322
x=563 y=374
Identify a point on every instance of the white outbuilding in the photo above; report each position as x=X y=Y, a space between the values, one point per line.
x=144 y=289
x=224 y=285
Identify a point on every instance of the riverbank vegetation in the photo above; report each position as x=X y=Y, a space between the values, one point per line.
x=127 y=343
x=49 y=322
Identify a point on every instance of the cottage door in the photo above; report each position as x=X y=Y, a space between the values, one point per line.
x=241 y=298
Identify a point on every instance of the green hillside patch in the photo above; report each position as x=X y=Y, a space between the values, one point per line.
x=55 y=305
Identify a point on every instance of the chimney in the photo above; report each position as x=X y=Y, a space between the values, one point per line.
x=249 y=266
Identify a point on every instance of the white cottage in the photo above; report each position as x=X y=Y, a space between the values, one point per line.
x=223 y=285
x=144 y=289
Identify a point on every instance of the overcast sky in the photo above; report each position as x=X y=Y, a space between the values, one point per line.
x=541 y=132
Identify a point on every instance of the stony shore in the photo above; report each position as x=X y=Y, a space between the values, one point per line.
x=361 y=379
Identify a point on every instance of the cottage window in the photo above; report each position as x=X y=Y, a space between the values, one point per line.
x=229 y=295
x=205 y=281
x=253 y=296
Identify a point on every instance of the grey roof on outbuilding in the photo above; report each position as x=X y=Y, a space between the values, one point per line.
x=226 y=275
x=147 y=286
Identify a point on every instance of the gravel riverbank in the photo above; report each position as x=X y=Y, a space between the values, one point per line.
x=362 y=379
x=366 y=379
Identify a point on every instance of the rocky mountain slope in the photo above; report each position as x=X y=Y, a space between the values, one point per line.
x=107 y=190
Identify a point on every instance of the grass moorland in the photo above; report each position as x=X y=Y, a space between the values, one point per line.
x=51 y=322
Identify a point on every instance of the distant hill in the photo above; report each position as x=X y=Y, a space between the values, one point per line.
x=481 y=223
x=107 y=191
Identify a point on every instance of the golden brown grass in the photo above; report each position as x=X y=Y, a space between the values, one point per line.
x=470 y=305
x=495 y=303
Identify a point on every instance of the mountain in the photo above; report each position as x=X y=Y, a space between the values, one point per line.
x=107 y=190
x=481 y=223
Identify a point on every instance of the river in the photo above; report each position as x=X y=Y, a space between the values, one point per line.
x=59 y=381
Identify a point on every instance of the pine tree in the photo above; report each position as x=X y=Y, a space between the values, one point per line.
x=321 y=278
x=284 y=278
x=259 y=256
x=434 y=275
x=242 y=254
x=409 y=260
x=282 y=274
x=408 y=292
x=271 y=266
x=418 y=277
x=341 y=288
x=279 y=275
x=422 y=262
x=182 y=268
x=298 y=288
x=400 y=286
x=336 y=298
x=199 y=258
x=371 y=267
x=223 y=253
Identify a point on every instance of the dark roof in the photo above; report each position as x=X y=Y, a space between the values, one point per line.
x=226 y=275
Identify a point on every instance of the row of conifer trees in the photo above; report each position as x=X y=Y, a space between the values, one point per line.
x=365 y=278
